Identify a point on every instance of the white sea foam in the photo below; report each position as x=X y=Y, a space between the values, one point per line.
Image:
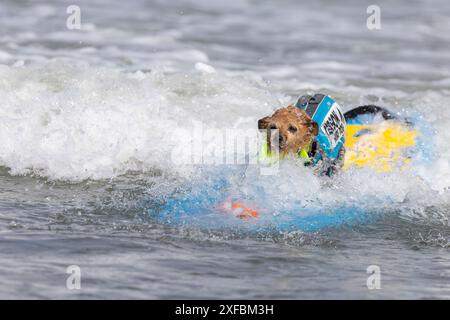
x=73 y=123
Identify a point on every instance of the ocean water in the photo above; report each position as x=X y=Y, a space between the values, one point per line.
x=89 y=120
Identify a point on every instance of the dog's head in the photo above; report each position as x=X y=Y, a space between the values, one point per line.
x=295 y=128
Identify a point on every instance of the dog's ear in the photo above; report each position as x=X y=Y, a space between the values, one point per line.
x=314 y=128
x=264 y=122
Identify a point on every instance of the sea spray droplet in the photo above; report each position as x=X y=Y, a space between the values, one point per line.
x=205 y=68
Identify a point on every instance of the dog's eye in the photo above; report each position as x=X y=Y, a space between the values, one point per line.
x=273 y=127
x=292 y=129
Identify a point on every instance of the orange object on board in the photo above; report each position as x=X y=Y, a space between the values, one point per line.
x=238 y=209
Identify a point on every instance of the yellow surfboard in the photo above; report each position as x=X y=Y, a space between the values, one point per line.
x=381 y=146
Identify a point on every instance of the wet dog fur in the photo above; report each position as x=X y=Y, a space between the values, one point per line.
x=295 y=128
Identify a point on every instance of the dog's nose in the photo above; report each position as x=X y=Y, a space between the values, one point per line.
x=280 y=139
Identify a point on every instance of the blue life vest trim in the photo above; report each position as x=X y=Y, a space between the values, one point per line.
x=331 y=121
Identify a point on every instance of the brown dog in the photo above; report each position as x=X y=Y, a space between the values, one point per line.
x=296 y=130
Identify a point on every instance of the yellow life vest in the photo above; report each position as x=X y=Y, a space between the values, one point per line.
x=266 y=153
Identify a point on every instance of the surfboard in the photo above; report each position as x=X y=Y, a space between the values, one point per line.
x=374 y=139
